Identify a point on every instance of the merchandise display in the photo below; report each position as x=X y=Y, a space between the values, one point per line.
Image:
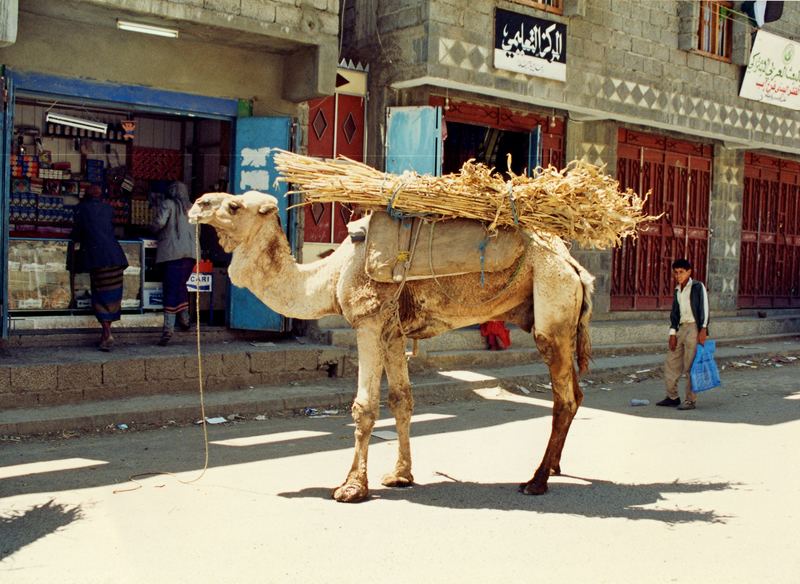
x=38 y=278
x=52 y=165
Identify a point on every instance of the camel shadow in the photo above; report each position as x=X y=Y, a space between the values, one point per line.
x=598 y=498
x=20 y=529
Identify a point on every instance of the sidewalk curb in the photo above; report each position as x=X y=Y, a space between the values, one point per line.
x=429 y=387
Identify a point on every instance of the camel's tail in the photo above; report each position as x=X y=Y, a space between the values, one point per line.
x=584 y=340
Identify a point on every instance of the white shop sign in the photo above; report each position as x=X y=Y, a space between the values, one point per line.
x=773 y=74
x=529 y=45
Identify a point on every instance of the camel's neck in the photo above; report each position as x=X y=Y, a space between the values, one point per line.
x=265 y=266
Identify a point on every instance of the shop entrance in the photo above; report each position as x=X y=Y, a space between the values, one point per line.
x=60 y=145
x=490 y=133
x=490 y=146
x=56 y=156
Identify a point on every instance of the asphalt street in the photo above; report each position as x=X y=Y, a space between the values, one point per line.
x=649 y=494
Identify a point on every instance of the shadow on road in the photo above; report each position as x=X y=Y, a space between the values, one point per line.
x=598 y=498
x=20 y=529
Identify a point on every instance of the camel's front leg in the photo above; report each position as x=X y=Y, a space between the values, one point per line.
x=401 y=403
x=365 y=410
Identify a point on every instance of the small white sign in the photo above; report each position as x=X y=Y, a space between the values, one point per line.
x=199 y=282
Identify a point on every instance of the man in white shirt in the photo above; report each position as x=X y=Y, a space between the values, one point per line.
x=688 y=327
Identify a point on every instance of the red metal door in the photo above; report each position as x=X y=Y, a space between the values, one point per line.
x=770 y=250
x=335 y=127
x=678 y=175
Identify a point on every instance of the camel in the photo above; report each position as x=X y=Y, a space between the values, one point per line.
x=547 y=292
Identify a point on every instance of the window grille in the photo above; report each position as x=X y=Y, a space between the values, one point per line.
x=554 y=6
x=715 y=32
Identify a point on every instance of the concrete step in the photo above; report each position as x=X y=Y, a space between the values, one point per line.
x=604 y=333
x=86 y=337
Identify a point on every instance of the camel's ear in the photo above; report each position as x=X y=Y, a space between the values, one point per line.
x=267 y=208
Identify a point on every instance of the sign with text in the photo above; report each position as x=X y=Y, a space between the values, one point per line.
x=199 y=282
x=529 y=45
x=773 y=74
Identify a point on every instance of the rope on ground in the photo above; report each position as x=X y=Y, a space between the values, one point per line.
x=203 y=423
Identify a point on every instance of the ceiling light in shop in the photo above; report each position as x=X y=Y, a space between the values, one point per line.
x=147 y=29
x=99 y=127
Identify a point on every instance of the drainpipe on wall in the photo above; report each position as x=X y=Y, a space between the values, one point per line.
x=9 y=11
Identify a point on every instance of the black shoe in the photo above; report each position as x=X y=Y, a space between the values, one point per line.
x=164 y=340
x=669 y=402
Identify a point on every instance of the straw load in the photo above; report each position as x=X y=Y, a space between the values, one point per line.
x=579 y=203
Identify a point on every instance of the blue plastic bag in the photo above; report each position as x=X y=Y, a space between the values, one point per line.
x=704 y=372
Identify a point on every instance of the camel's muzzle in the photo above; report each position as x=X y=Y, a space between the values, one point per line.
x=199 y=215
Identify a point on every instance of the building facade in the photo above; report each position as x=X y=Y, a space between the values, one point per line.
x=649 y=89
x=131 y=95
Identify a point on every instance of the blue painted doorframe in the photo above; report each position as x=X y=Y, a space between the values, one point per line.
x=6 y=130
x=172 y=102
x=254 y=169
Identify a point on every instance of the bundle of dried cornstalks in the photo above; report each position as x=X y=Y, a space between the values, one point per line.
x=578 y=203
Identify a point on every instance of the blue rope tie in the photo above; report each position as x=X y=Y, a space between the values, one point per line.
x=482 y=248
x=513 y=205
x=393 y=213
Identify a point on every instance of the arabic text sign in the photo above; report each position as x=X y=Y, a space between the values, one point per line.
x=529 y=45
x=773 y=74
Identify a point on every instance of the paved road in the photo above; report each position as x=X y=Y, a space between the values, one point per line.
x=651 y=495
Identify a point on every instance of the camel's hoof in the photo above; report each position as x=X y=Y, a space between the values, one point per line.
x=350 y=493
x=531 y=488
x=394 y=480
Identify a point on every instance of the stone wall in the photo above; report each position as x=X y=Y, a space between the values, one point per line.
x=624 y=63
x=275 y=53
x=595 y=142
x=630 y=63
x=725 y=221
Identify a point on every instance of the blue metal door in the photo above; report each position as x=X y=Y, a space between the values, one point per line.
x=534 y=151
x=254 y=170
x=6 y=130
x=414 y=139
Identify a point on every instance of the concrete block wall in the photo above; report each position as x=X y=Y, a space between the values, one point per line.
x=56 y=383
x=303 y=20
x=630 y=63
x=725 y=222
x=275 y=53
x=595 y=142
x=629 y=60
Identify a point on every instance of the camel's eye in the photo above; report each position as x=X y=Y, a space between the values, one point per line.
x=233 y=207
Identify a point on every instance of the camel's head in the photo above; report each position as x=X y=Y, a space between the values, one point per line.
x=235 y=217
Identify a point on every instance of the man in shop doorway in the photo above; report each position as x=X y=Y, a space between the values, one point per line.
x=688 y=328
x=97 y=251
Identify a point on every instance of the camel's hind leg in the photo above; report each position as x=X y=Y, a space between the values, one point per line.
x=556 y=312
x=365 y=410
x=401 y=402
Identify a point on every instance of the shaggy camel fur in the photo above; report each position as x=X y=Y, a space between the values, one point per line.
x=548 y=292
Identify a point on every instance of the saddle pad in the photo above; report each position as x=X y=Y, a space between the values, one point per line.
x=443 y=248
